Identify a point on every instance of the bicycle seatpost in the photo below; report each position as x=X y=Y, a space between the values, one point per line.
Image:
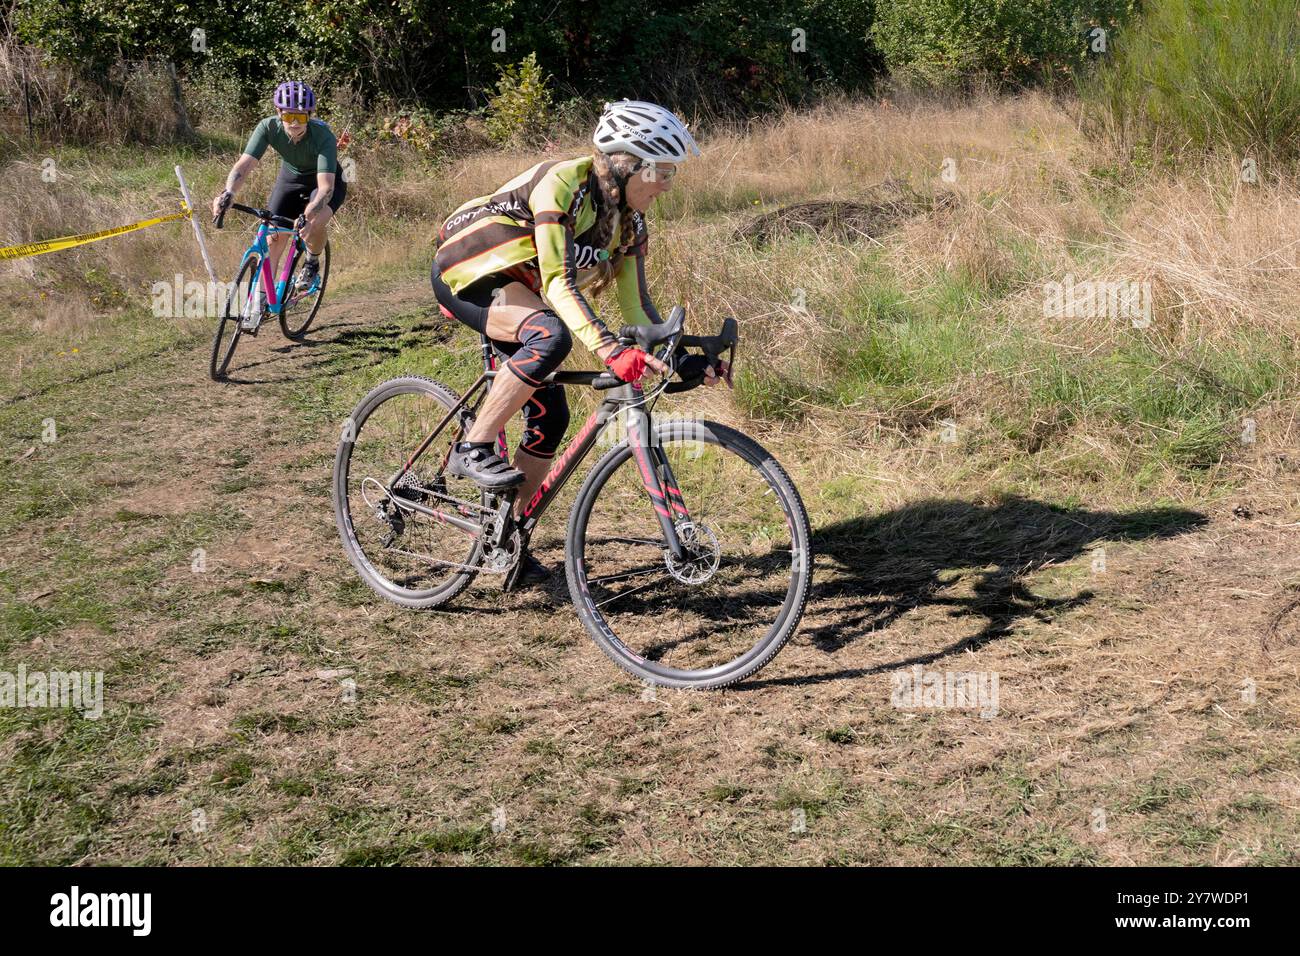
x=490 y=365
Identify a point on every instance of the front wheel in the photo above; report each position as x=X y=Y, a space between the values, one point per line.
x=723 y=610
x=301 y=305
x=240 y=304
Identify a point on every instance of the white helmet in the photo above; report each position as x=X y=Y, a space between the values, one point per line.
x=644 y=130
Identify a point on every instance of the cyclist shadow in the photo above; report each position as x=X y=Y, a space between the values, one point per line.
x=284 y=356
x=352 y=345
x=883 y=566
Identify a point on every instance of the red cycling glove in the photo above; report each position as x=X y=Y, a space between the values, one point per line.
x=628 y=364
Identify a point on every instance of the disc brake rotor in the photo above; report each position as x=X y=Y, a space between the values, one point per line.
x=701 y=554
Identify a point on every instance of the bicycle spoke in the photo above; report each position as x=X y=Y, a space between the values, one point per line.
x=652 y=542
x=629 y=591
x=401 y=545
x=627 y=574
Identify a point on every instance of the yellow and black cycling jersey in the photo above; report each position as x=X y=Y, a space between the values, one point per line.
x=538 y=228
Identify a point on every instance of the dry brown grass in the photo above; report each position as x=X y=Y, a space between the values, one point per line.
x=1226 y=254
x=61 y=106
x=1122 y=688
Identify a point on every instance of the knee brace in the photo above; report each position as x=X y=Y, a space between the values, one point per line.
x=544 y=341
x=546 y=416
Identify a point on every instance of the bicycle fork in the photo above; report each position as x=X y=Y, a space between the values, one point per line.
x=657 y=476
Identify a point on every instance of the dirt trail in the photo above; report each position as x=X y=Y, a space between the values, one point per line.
x=1153 y=682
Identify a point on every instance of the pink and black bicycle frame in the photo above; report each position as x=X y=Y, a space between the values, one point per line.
x=656 y=474
x=651 y=462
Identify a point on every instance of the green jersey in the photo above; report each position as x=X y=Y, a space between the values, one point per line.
x=316 y=152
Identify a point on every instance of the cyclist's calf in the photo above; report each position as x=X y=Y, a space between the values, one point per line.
x=546 y=418
x=543 y=344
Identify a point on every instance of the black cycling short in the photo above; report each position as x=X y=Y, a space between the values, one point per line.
x=471 y=305
x=546 y=413
x=293 y=191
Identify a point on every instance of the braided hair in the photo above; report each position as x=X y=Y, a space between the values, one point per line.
x=612 y=173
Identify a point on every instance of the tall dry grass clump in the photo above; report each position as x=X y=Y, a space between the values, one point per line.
x=47 y=103
x=1227 y=254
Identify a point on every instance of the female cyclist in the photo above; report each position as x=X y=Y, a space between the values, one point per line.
x=511 y=265
x=308 y=184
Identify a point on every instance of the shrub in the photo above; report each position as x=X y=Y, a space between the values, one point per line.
x=520 y=112
x=1193 y=76
x=1007 y=43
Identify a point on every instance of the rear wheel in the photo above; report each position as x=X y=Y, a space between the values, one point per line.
x=407 y=557
x=240 y=303
x=301 y=305
x=727 y=607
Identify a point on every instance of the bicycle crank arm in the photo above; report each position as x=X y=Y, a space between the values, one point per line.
x=503 y=523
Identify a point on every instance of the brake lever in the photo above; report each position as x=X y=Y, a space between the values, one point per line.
x=731 y=332
x=219 y=219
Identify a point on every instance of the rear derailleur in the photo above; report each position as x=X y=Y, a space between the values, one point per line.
x=406 y=488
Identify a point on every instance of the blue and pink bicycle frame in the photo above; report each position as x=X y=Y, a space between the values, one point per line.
x=274 y=291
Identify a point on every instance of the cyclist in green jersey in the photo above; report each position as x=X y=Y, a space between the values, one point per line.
x=308 y=185
x=512 y=265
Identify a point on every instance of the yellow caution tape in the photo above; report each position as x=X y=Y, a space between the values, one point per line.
x=67 y=242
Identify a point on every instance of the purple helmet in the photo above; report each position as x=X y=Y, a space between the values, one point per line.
x=295 y=95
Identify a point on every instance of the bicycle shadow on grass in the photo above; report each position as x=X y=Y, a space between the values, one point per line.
x=279 y=355
x=352 y=345
x=874 y=569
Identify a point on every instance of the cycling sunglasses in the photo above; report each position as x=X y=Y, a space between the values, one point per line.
x=294 y=117
x=658 y=174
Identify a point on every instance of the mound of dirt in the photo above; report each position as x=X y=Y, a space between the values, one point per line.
x=891 y=202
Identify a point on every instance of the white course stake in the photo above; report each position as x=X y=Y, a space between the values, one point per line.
x=194 y=220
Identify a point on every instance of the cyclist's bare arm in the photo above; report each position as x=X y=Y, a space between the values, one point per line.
x=238 y=174
x=324 y=191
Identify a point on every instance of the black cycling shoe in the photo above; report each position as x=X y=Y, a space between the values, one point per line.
x=483 y=466
x=532 y=571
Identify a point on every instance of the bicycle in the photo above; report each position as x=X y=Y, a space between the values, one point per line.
x=242 y=313
x=700 y=509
